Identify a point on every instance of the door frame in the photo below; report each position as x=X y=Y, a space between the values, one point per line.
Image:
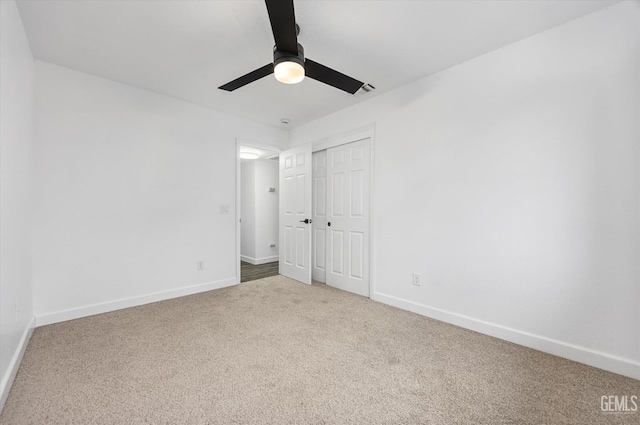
x=249 y=144
x=357 y=135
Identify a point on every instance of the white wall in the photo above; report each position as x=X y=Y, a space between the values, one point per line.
x=259 y=211
x=128 y=188
x=267 y=210
x=248 y=211
x=510 y=182
x=16 y=135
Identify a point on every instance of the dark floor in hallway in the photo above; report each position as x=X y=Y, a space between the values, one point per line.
x=250 y=272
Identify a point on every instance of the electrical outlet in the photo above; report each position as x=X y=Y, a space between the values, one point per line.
x=17 y=313
x=416 y=279
x=224 y=208
x=200 y=265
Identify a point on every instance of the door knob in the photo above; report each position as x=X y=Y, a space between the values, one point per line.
x=329 y=224
x=306 y=221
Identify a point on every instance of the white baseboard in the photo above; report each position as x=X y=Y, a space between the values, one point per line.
x=14 y=365
x=622 y=366
x=258 y=261
x=90 y=310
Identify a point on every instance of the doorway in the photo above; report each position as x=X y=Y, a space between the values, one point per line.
x=258 y=195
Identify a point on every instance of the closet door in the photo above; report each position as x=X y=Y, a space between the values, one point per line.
x=319 y=228
x=348 y=217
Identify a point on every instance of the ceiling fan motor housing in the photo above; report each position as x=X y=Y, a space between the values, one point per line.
x=280 y=56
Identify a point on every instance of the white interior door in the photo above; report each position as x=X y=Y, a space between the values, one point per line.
x=295 y=213
x=348 y=217
x=319 y=226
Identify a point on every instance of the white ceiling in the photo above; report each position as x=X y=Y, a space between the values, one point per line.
x=186 y=49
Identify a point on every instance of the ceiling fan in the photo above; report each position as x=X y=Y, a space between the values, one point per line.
x=289 y=64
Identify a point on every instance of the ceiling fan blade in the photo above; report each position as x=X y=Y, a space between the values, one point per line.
x=283 y=25
x=248 y=78
x=332 y=77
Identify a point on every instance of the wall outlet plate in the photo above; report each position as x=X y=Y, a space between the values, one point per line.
x=416 y=279
x=224 y=208
x=200 y=265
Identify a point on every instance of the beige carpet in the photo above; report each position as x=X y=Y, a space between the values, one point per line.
x=274 y=351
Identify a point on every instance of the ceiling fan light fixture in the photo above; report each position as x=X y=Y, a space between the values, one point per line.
x=289 y=72
x=288 y=68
